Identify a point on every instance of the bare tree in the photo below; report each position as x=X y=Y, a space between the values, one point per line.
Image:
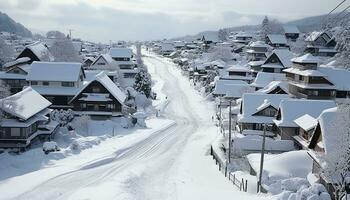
x=64 y=51
x=6 y=52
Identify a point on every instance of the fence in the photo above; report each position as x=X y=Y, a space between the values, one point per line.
x=241 y=184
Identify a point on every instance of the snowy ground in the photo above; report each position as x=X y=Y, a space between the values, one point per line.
x=165 y=161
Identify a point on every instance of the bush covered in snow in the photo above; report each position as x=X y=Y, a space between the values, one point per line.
x=143 y=82
x=50 y=147
x=63 y=117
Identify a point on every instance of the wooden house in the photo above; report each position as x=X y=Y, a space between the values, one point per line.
x=321 y=44
x=257 y=51
x=276 y=41
x=278 y=60
x=99 y=97
x=37 y=51
x=26 y=118
x=291 y=32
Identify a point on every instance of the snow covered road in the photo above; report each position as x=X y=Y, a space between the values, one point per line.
x=171 y=163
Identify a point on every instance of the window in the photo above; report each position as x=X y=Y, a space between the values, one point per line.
x=67 y=84
x=101 y=63
x=312 y=93
x=15 y=132
x=46 y=83
x=95 y=89
x=34 y=82
x=126 y=66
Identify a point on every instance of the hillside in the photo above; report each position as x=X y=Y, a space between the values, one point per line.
x=9 y=25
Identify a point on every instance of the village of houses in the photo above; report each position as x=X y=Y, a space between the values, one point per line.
x=289 y=108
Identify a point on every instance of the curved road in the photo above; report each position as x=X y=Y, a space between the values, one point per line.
x=170 y=164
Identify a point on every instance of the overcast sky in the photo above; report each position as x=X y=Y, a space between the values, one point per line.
x=104 y=20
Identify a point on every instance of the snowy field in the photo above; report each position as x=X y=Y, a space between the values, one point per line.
x=167 y=160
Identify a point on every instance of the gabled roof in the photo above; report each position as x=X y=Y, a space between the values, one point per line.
x=284 y=55
x=255 y=102
x=55 y=71
x=292 y=109
x=108 y=84
x=107 y=57
x=230 y=87
x=120 y=52
x=283 y=85
x=41 y=51
x=259 y=44
x=307 y=58
x=19 y=61
x=316 y=34
x=277 y=39
x=306 y=122
x=339 y=77
x=291 y=29
x=238 y=68
x=264 y=78
x=24 y=104
x=307 y=72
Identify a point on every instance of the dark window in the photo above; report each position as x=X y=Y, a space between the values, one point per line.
x=46 y=83
x=34 y=83
x=67 y=84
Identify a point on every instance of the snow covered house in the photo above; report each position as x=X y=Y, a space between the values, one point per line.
x=255 y=66
x=58 y=82
x=37 y=51
x=275 y=87
x=320 y=43
x=258 y=109
x=167 y=48
x=291 y=32
x=291 y=109
x=238 y=72
x=257 y=50
x=306 y=81
x=328 y=139
x=265 y=78
x=277 y=41
x=88 y=61
x=278 y=60
x=232 y=89
x=26 y=118
x=243 y=38
x=127 y=67
x=339 y=78
x=99 y=97
x=104 y=62
x=15 y=73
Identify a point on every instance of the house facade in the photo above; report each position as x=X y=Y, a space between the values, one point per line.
x=278 y=60
x=321 y=44
x=25 y=121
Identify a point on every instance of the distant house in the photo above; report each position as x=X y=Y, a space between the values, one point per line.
x=27 y=118
x=306 y=81
x=231 y=89
x=258 y=109
x=243 y=38
x=339 y=78
x=99 y=97
x=58 y=82
x=257 y=51
x=321 y=44
x=238 y=72
x=36 y=52
x=127 y=67
x=15 y=73
x=277 y=41
x=255 y=66
x=291 y=32
x=88 y=61
x=278 y=60
x=291 y=109
x=107 y=63
x=167 y=48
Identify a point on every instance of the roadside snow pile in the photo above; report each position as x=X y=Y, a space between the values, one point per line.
x=50 y=147
x=307 y=192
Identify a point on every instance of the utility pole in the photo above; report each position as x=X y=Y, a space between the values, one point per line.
x=262 y=159
x=229 y=134
x=70 y=33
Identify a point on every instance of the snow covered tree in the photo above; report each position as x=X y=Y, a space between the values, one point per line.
x=220 y=53
x=343 y=47
x=55 y=35
x=337 y=164
x=298 y=46
x=64 y=51
x=4 y=92
x=6 y=52
x=223 y=35
x=143 y=82
x=265 y=28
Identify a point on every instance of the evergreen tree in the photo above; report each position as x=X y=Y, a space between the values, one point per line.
x=265 y=28
x=343 y=47
x=222 y=35
x=143 y=82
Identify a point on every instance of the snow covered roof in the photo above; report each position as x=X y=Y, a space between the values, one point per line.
x=108 y=84
x=277 y=39
x=41 y=51
x=284 y=55
x=237 y=90
x=230 y=87
x=24 y=104
x=307 y=58
x=120 y=52
x=333 y=124
x=18 y=61
x=167 y=47
x=107 y=57
x=283 y=85
x=339 y=77
x=306 y=122
x=256 y=63
x=308 y=72
x=252 y=144
x=292 y=109
x=264 y=78
x=290 y=29
x=252 y=103
x=238 y=68
x=55 y=71
x=316 y=34
x=260 y=44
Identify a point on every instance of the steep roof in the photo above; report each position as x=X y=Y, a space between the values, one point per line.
x=292 y=109
x=291 y=29
x=259 y=44
x=306 y=122
x=54 y=71
x=41 y=51
x=277 y=39
x=24 y=104
x=120 y=52
x=284 y=55
x=108 y=84
x=307 y=58
x=339 y=77
x=273 y=85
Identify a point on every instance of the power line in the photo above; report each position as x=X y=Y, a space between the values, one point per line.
x=324 y=20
